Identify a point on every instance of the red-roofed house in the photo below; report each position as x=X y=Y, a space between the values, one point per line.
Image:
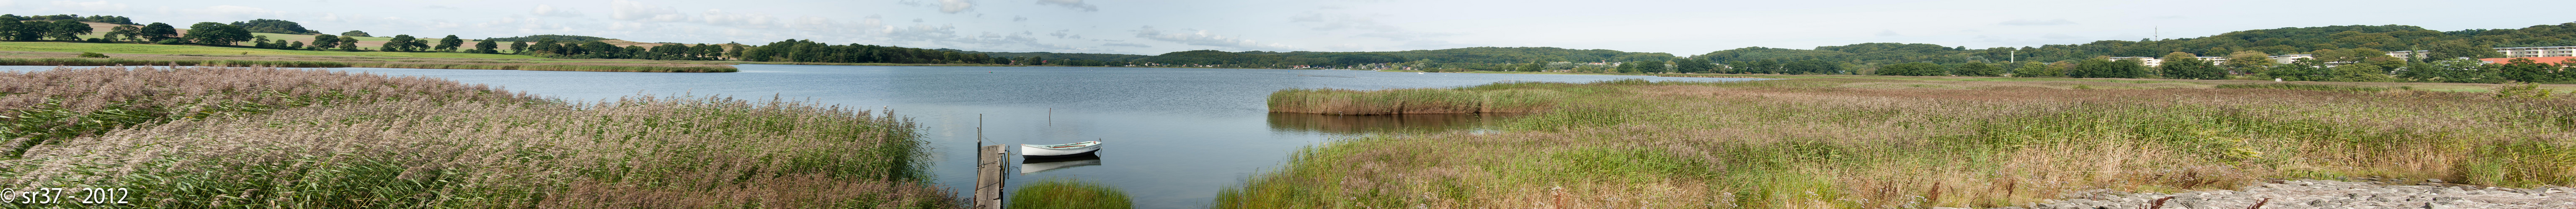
x=2549 y=60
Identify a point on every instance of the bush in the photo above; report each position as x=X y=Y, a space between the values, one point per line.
x=169 y=42
x=92 y=55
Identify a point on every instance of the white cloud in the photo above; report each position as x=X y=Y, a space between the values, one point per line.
x=1203 y=38
x=1887 y=33
x=1064 y=34
x=746 y=20
x=4 y=3
x=1071 y=4
x=2029 y=22
x=241 y=12
x=552 y=11
x=1126 y=45
x=1017 y=18
x=955 y=6
x=635 y=11
x=91 y=6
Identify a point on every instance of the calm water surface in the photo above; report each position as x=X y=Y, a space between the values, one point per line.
x=1171 y=137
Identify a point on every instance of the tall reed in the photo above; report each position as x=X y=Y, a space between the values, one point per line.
x=1828 y=143
x=38 y=107
x=419 y=149
x=1419 y=101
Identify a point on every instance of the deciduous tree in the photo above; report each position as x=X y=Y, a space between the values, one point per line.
x=325 y=41
x=156 y=32
x=210 y=33
x=1914 y=69
x=2527 y=70
x=1979 y=69
x=2182 y=65
x=68 y=30
x=348 y=43
x=450 y=43
x=486 y=46
x=2248 y=62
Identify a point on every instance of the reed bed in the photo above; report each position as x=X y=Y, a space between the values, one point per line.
x=422 y=64
x=1820 y=143
x=41 y=107
x=1423 y=101
x=408 y=142
x=1069 y=194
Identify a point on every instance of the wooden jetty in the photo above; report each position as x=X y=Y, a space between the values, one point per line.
x=989 y=176
x=989 y=160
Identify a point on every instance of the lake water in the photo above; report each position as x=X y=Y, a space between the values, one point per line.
x=1172 y=137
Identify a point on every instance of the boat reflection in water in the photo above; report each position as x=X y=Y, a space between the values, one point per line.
x=1047 y=164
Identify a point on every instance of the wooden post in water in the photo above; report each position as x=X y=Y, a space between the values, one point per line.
x=989 y=160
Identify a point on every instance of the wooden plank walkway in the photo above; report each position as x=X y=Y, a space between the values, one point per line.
x=989 y=176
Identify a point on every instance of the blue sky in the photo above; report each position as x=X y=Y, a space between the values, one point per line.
x=1158 y=26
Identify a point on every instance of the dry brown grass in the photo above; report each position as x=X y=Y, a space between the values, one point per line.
x=1875 y=143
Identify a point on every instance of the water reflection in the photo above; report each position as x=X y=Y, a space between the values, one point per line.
x=1048 y=164
x=1366 y=124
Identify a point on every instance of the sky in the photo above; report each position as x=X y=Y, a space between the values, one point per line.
x=1151 y=27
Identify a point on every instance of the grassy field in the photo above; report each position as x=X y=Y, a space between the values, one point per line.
x=1881 y=141
x=216 y=137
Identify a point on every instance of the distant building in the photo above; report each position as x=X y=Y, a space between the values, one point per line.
x=2543 y=51
x=2287 y=58
x=2417 y=54
x=2150 y=61
x=2549 y=60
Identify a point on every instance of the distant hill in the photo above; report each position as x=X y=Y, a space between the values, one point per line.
x=2462 y=43
x=565 y=38
x=1057 y=56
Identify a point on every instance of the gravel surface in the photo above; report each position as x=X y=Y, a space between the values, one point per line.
x=2300 y=194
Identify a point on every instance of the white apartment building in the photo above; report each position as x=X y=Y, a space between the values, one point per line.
x=2541 y=51
x=2150 y=61
x=2417 y=54
x=2286 y=58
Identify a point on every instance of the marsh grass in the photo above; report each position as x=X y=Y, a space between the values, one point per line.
x=1069 y=194
x=409 y=142
x=597 y=67
x=1822 y=143
x=1510 y=97
x=2312 y=87
x=39 y=107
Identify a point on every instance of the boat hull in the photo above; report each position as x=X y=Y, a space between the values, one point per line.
x=1059 y=151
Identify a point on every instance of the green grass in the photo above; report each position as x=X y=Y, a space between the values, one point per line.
x=1068 y=194
x=1871 y=142
x=112 y=49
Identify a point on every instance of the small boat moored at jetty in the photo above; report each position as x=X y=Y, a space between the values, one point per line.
x=1059 y=150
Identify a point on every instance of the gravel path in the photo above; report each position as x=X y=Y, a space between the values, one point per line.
x=2300 y=194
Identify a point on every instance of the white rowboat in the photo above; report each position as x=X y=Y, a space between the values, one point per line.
x=1048 y=164
x=1059 y=150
